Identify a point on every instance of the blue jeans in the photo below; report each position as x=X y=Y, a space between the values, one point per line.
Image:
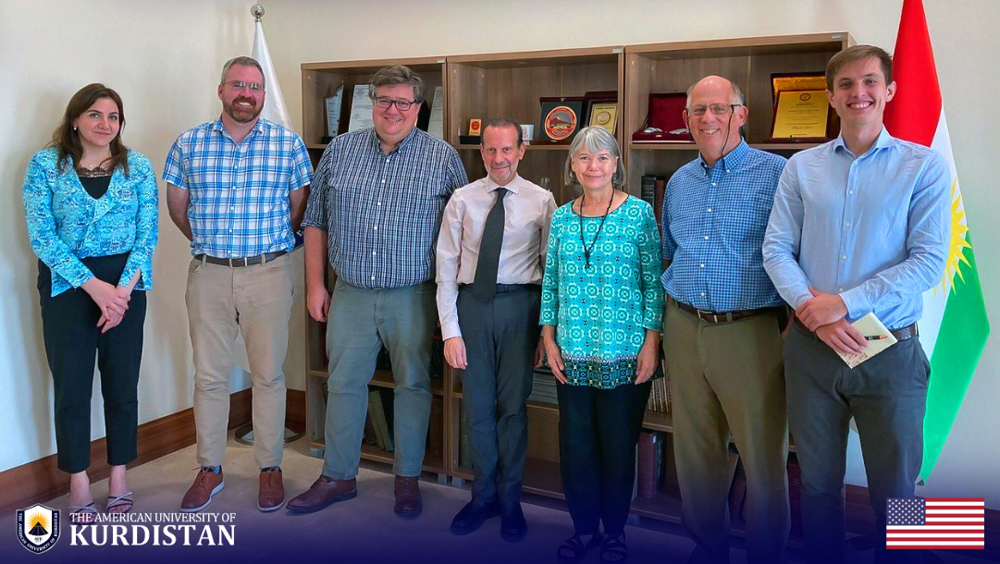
x=360 y=322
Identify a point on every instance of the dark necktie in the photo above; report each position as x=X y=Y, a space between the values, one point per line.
x=485 y=285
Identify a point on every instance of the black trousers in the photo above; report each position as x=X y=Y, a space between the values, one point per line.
x=598 y=432
x=72 y=340
x=500 y=340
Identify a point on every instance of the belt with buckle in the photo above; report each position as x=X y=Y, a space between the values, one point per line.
x=901 y=334
x=729 y=316
x=244 y=261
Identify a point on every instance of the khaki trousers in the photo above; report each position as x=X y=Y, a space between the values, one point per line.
x=223 y=301
x=727 y=381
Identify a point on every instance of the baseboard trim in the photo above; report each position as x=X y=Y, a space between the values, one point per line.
x=42 y=480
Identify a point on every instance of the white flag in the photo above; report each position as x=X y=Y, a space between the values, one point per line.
x=274 y=103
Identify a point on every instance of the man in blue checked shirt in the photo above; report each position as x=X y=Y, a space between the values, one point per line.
x=860 y=225
x=237 y=188
x=722 y=330
x=375 y=213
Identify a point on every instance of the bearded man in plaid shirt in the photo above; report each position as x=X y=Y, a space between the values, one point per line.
x=237 y=188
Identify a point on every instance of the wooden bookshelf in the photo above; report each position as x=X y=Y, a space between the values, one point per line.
x=321 y=80
x=511 y=85
x=749 y=62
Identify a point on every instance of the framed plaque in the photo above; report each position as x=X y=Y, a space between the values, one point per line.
x=802 y=112
x=561 y=118
x=334 y=105
x=604 y=114
x=475 y=126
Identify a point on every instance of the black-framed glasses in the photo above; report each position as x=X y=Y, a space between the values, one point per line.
x=241 y=84
x=716 y=109
x=385 y=103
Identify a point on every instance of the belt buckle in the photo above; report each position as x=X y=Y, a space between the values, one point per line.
x=236 y=262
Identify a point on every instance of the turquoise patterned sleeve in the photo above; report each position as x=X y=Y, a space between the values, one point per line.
x=550 y=279
x=147 y=217
x=651 y=266
x=42 y=232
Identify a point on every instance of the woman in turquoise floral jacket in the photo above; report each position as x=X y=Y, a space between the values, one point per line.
x=91 y=208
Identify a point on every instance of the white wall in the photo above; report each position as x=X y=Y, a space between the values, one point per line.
x=164 y=57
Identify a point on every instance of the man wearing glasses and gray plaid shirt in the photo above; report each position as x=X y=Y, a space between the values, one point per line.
x=375 y=212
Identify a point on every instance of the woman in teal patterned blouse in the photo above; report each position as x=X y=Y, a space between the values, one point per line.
x=602 y=308
x=91 y=209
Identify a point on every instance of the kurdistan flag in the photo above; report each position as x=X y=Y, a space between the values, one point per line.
x=954 y=325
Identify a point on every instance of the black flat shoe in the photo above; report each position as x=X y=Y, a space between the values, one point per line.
x=471 y=516
x=513 y=527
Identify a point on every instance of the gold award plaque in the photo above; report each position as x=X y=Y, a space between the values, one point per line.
x=604 y=115
x=801 y=113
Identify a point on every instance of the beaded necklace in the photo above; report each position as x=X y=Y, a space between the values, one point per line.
x=587 y=250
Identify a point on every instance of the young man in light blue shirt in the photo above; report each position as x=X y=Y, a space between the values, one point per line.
x=859 y=225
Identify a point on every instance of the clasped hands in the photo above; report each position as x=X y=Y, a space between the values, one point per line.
x=113 y=301
x=826 y=315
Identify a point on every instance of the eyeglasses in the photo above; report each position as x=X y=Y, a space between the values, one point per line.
x=240 y=85
x=386 y=103
x=716 y=109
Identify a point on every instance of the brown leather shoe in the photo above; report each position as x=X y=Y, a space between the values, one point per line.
x=199 y=495
x=408 y=501
x=323 y=492
x=270 y=491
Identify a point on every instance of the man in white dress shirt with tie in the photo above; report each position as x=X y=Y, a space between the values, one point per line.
x=490 y=255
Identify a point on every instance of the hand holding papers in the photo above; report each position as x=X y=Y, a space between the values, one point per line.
x=878 y=337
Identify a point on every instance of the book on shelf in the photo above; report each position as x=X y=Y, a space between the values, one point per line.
x=374 y=414
x=648 y=189
x=369 y=437
x=543 y=388
x=738 y=491
x=435 y=429
x=648 y=464
x=659 y=189
x=795 y=496
x=388 y=405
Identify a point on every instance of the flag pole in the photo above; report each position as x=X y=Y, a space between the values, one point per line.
x=244 y=434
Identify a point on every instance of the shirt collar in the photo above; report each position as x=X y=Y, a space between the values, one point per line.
x=883 y=141
x=218 y=126
x=730 y=160
x=406 y=140
x=511 y=186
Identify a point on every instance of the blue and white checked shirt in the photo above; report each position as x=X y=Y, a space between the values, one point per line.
x=873 y=229
x=382 y=212
x=713 y=226
x=238 y=204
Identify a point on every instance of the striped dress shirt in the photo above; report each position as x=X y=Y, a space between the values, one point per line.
x=382 y=212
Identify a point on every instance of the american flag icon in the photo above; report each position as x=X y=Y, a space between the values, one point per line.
x=935 y=522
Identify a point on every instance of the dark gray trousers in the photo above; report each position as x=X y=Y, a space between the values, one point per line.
x=500 y=339
x=887 y=398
